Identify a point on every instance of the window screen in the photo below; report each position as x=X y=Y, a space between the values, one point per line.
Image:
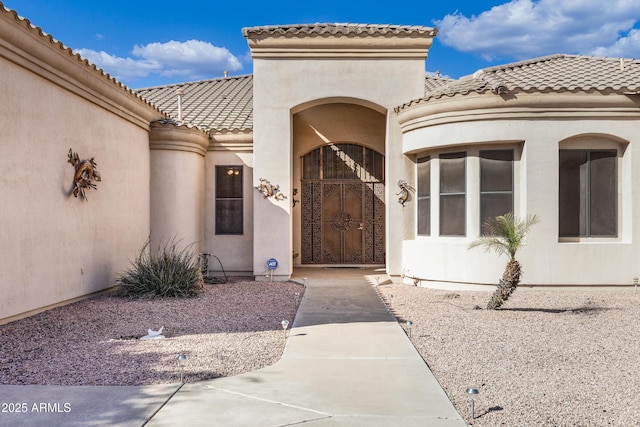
x=587 y=193
x=424 y=196
x=452 y=194
x=496 y=184
x=229 y=200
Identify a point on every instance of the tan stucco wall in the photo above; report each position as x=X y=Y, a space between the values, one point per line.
x=235 y=252
x=177 y=186
x=538 y=124
x=284 y=87
x=55 y=247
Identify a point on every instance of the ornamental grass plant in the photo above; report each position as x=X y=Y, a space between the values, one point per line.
x=170 y=271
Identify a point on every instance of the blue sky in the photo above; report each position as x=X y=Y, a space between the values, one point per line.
x=148 y=43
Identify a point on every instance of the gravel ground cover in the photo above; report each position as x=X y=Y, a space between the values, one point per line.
x=547 y=358
x=228 y=329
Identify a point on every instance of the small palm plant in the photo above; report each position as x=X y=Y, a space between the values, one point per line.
x=505 y=234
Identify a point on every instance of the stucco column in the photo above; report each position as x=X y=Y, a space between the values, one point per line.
x=177 y=184
x=272 y=226
x=400 y=225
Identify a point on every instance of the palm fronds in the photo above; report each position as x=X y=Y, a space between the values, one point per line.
x=505 y=234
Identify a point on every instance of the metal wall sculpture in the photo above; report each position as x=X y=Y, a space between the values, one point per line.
x=405 y=188
x=85 y=174
x=269 y=190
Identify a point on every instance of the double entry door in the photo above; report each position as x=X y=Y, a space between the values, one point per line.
x=342 y=222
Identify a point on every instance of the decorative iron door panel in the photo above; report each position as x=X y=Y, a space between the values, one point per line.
x=342 y=222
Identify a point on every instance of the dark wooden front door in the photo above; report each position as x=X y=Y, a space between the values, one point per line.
x=343 y=219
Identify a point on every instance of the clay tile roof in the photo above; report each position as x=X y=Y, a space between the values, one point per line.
x=219 y=105
x=555 y=73
x=320 y=29
x=432 y=82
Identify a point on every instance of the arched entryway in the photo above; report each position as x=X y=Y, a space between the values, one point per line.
x=343 y=205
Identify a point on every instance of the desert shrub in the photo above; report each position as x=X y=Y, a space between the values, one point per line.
x=170 y=271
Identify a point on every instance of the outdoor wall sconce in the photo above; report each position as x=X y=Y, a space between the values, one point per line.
x=295 y=192
x=405 y=188
x=269 y=190
x=85 y=174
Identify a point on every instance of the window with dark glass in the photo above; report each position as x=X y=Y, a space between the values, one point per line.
x=588 y=193
x=424 y=196
x=229 y=201
x=452 y=194
x=496 y=184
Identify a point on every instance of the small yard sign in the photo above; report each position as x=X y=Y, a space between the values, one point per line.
x=272 y=264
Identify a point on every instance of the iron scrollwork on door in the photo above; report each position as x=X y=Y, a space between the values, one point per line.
x=342 y=221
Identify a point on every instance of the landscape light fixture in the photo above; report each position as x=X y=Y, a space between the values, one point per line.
x=635 y=284
x=182 y=360
x=409 y=324
x=285 y=325
x=472 y=393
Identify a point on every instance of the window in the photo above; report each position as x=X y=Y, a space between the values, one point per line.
x=229 y=215
x=424 y=196
x=452 y=194
x=496 y=184
x=344 y=161
x=588 y=193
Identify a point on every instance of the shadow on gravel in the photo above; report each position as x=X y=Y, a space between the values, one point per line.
x=490 y=410
x=578 y=310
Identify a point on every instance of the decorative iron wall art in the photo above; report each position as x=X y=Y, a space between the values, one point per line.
x=405 y=188
x=85 y=174
x=270 y=190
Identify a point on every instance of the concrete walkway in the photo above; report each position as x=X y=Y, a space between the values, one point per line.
x=347 y=362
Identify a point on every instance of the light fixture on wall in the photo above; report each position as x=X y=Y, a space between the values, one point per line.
x=294 y=200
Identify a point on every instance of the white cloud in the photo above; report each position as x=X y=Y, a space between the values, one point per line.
x=121 y=68
x=190 y=60
x=625 y=47
x=527 y=28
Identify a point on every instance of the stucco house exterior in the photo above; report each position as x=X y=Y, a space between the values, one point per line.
x=338 y=151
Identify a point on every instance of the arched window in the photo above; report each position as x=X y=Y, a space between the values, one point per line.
x=589 y=186
x=344 y=162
